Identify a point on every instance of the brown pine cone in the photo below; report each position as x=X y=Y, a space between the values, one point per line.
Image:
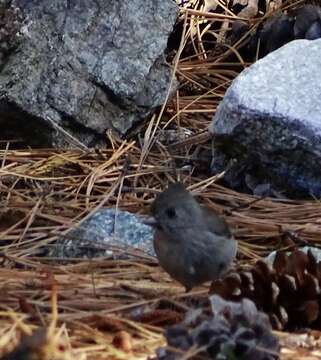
x=232 y=331
x=288 y=291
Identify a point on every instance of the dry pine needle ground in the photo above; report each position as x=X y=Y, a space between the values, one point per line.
x=117 y=309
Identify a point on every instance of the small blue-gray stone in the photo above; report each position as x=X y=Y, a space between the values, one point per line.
x=105 y=228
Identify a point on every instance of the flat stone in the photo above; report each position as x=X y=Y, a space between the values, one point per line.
x=105 y=229
x=269 y=121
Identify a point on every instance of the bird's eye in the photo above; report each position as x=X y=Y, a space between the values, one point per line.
x=170 y=212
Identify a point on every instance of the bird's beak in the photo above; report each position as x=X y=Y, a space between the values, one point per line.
x=151 y=221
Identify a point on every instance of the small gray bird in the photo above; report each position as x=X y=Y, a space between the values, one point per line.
x=192 y=244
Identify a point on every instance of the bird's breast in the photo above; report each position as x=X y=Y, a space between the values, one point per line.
x=161 y=244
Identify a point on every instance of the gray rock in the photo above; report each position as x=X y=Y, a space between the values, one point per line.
x=269 y=122
x=105 y=229
x=316 y=252
x=83 y=67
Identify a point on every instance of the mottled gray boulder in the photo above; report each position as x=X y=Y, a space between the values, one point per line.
x=269 y=123
x=83 y=67
x=105 y=229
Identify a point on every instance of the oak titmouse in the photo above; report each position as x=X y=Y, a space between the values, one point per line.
x=192 y=244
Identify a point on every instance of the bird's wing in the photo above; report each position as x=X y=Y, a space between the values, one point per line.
x=216 y=224
x=212 y=256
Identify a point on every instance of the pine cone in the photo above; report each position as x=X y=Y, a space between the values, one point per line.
x=235 y=331
x=288 y=291
x=304 y=22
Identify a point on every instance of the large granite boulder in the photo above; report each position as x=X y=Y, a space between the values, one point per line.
x=83 y=67
x=269 y=123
